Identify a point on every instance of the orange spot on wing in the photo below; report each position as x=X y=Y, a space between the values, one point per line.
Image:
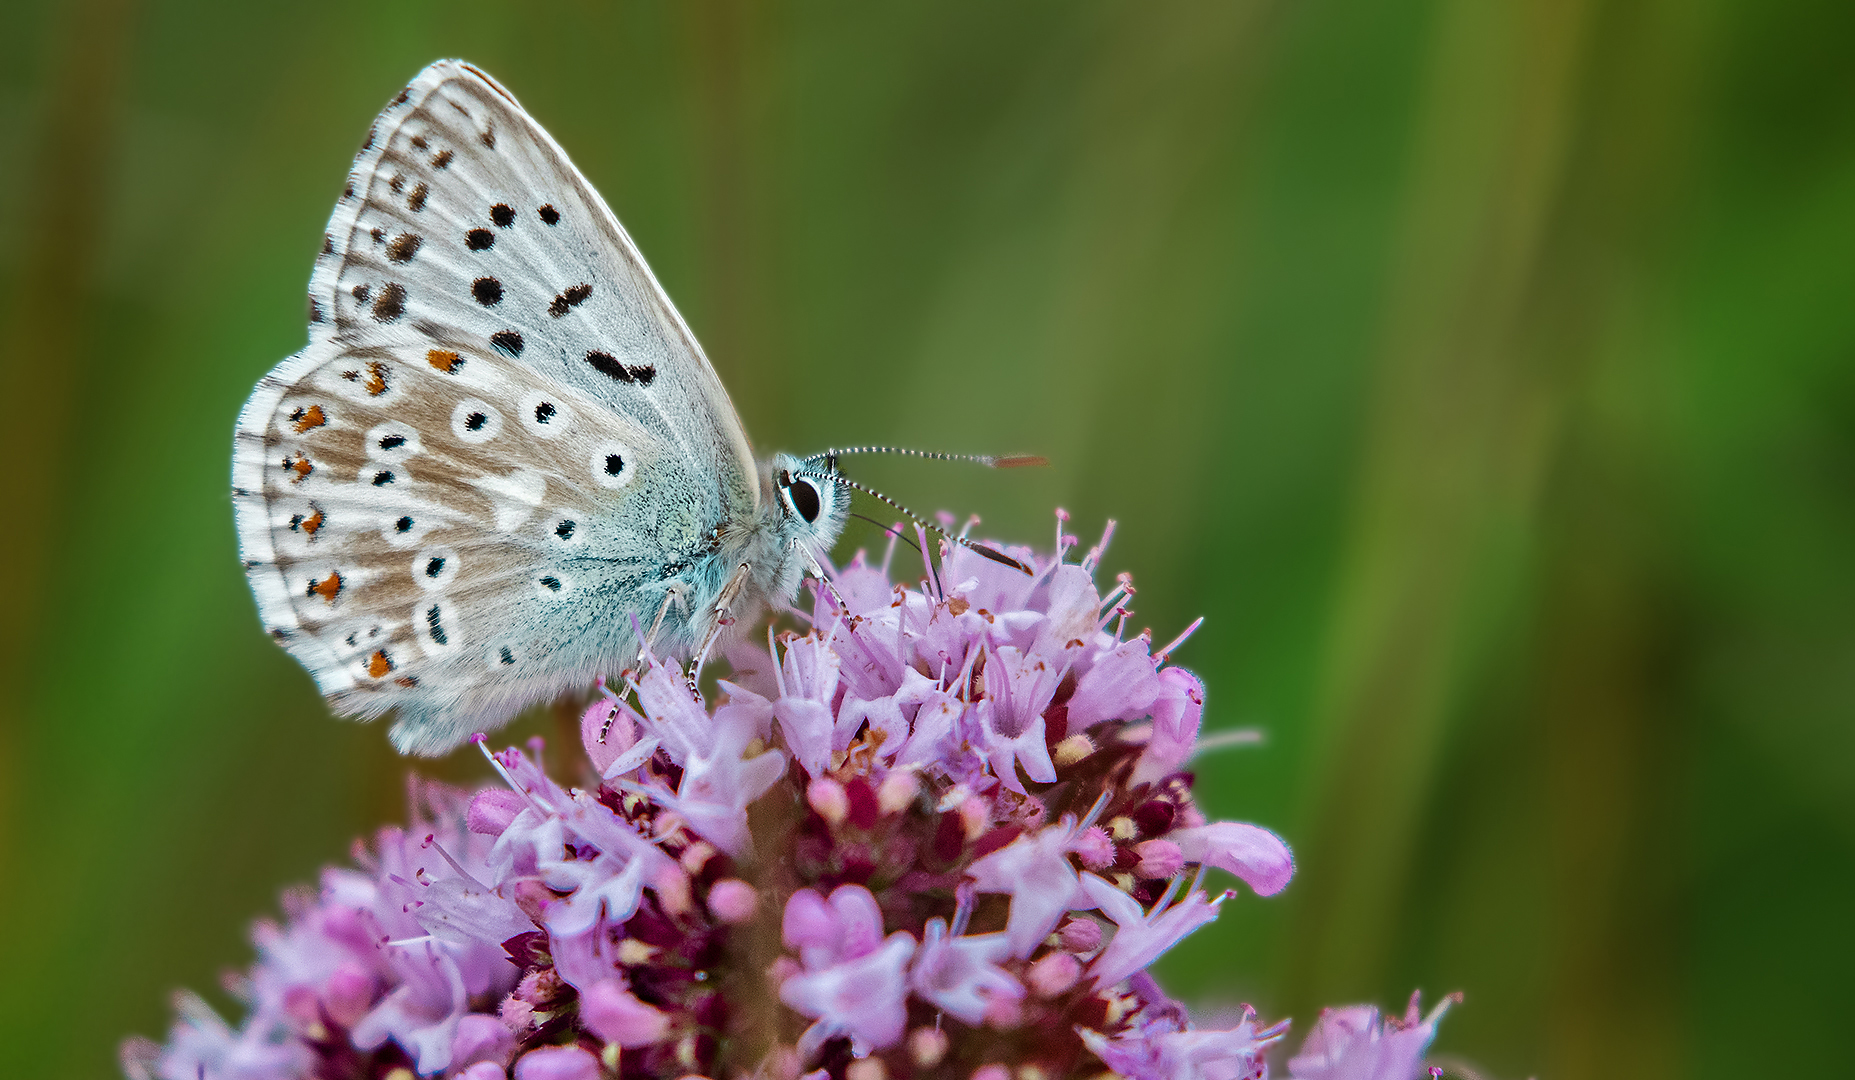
x=313 y=522
x=444 y=360
x=328 y=587
x=378 y=665
x=301 y=466
x=308 y=418
x=376 y=378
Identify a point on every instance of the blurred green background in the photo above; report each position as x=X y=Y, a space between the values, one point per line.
x=1483 y=369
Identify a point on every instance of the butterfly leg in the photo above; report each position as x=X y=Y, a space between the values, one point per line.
x=817 y=571
x=723 y=601
x=672 y=596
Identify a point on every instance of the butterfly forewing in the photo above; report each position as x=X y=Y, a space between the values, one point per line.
x=498 y=434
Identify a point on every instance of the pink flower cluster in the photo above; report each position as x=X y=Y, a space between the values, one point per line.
x=942 y=833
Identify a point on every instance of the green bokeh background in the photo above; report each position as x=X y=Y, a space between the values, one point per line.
x=1484 y=370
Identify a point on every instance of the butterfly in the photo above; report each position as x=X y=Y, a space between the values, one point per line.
x=502 y=448
x=503 y=456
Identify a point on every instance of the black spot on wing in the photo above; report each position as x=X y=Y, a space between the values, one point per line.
x=503 y=215
x=549 y=215
x=404 y=247
x=415 y=200
x=564 y=530
x=508 y=341
x=487 y=290
x=606 y=364
x=571 y=297
x=442 y=159
x=479 y=239
x=436 y=631
x=391 y=303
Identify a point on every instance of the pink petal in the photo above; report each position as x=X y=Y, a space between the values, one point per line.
x=557 y=1063
x=1254 y=854
x=616 y=1015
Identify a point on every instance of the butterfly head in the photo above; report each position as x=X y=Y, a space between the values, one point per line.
x=812 y=505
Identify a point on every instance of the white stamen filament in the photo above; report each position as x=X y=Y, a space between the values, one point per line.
x=1224 y=740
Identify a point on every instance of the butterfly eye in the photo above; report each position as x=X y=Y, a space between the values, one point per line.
x=804 y=499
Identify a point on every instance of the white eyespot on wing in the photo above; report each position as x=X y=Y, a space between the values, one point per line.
x=435 y=568
x=545 y=414
x=475 y=421
x=381 y=474
x=612 y=465
x=408 y=527
x=439 y=631
x=565 y=529
x=554 y=584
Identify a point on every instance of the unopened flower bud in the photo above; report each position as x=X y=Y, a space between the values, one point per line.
x=829 y=799
x=975 y=815
x=519 y=1015
x=733 y=901
x=1158 y=859
x=1094 y=848
x=1004 y=1011
x=1053 y=974
x=927 y=1046
x=898 y=791
x=1080 y=935
x=1072 y=750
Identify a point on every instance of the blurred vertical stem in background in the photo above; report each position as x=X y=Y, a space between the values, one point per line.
x=52 y=282
x=1503 y=497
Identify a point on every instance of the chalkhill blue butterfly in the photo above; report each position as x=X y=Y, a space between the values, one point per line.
x=502 y=454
